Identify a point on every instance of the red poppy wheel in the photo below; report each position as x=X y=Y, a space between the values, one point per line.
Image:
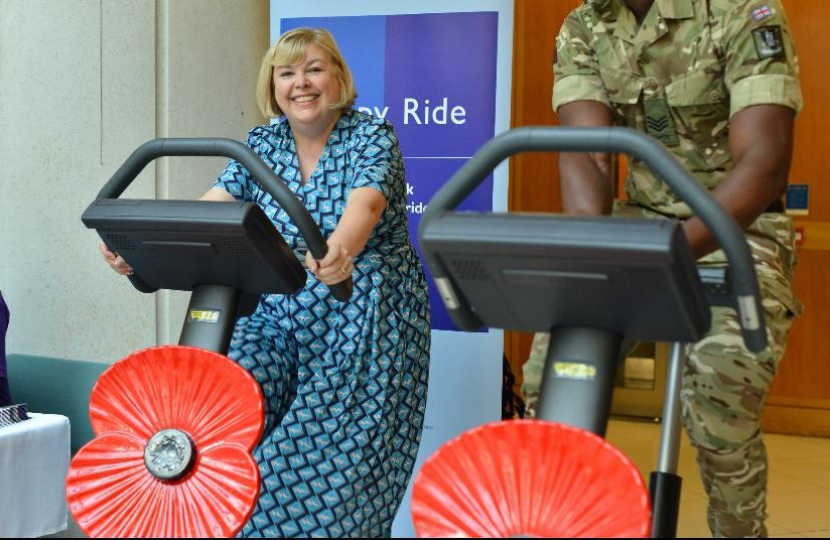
x=175 y=427
x=530 y=478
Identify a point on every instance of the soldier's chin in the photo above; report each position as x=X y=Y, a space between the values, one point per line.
x=598 y=5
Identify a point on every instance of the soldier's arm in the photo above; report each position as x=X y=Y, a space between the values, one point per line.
x=585 y=178
x=761 y=73
x=580 y=99
x=761 y=142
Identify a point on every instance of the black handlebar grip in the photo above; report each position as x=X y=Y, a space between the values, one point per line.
x=318 y=248
x=140 y=285
x=343 y=290
x=755 y=340
x=753 y=325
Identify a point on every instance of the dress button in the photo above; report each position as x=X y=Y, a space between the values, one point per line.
x=650 y=84
x=714 y=95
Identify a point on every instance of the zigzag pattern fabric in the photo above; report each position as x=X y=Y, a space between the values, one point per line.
x=345 y=384
x=12 y=414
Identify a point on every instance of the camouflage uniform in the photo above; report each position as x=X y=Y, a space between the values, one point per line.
x=680 y=76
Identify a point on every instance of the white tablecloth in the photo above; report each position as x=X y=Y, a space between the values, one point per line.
x=34 y=459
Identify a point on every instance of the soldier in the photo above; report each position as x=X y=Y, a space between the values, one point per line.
x=716 y=81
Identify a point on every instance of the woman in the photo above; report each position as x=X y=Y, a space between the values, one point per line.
x=345 y=383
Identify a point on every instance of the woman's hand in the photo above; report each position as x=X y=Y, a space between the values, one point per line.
x=115 y=261
x=335 y=267
x=363 y=210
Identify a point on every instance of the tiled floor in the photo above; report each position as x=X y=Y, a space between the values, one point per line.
x=799 y=486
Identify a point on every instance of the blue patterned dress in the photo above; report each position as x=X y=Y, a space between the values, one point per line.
x=345 y=384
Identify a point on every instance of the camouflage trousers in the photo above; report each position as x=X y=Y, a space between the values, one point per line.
x=724 y=387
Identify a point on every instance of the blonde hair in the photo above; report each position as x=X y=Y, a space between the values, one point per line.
x=290 y=49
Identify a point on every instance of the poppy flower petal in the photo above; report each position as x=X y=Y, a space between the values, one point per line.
x=530 y=477
x=219 y=497
x=200 y=392
x=111 y=493
x=106 y=478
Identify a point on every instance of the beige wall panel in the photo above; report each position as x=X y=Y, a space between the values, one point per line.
x=58 y=144
x=212 y=51
x=82 y=84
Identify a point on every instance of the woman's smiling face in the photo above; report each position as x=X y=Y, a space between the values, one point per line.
x=307 y=92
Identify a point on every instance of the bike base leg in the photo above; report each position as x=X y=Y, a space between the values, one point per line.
x=664 y=489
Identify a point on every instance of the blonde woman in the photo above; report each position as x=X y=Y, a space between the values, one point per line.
x=345 y=383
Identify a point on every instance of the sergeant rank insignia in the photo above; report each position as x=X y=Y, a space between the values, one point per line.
x=659 y=123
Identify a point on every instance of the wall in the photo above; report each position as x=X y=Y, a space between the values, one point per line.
x=534 y=177
x=82 y=84
x=799 y=400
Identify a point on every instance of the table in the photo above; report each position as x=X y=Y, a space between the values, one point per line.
x=34 y=460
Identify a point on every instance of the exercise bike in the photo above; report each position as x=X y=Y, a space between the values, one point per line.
x=593 y=283
x=175 y=426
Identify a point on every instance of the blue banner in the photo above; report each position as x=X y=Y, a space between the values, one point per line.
x=416 y=71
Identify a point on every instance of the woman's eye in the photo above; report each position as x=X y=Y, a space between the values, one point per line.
x=285 y=74
x=315 y=70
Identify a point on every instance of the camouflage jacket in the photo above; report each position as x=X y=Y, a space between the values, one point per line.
x=680 y=76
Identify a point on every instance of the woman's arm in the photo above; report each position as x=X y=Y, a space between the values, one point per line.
x=216 y=194
x=363 y=210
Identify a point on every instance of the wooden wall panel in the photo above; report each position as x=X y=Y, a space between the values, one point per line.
x=804 y=373
x=534 y=177
x=802 y=388
x=808 y=21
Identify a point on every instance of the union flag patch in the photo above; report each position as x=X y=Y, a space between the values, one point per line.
x=761 y=12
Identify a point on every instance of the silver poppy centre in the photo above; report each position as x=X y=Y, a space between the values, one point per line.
x=169 y=454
